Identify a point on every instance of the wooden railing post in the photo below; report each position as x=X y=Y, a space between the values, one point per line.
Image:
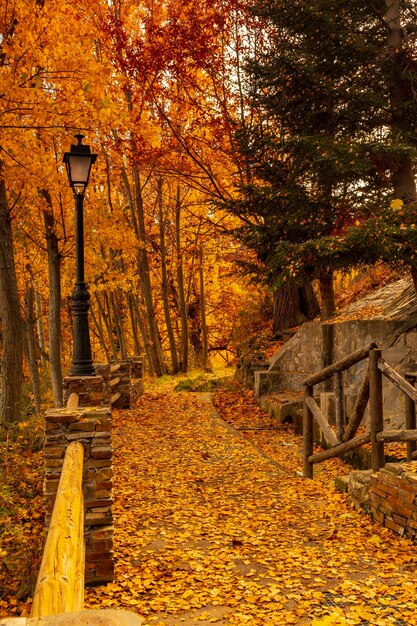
x=376 y=409
x=340 y=409
x=410 y=416
x=307 y=433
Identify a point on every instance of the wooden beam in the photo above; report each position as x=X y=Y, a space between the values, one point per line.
x=322 y=422
x=340 y=409
x=397 y=379
x=73 y=401
x=114 y=368
x=397 y=435
x=357 y=442
x=376 y=409
x=115 y=397
x=307 y=434
x=339 y=366
x=61 y=575
x=358 y=409
x=114 y=381
x=410 y=414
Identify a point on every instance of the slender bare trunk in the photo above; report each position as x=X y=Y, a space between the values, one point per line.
x=31 y=348
x=181 y=286
x=134 y=325
x=165 y=289
x=54 y=317
x=40 y=328
x=203 y=310
x=328 y=302
x=13 y=328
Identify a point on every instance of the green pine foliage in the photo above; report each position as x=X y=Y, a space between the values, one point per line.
x=335 y=124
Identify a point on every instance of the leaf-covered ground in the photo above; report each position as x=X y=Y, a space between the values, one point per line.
x=214 y=526
x=21 y=518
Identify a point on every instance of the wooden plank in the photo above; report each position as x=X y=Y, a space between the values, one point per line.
x=58 y=585
x=114 y=381
x=115 y=397
x=114 y=368
x=397 y=435
x=376 y=409
x=321 y=421
x=357 y=442
x=307 y=434
x=410 y=415
x=397 y=379
x=358 y=410
x=340 y=409
x=73 y=401
x=339 y=366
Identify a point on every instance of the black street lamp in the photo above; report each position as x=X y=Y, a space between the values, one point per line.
x=78 y=163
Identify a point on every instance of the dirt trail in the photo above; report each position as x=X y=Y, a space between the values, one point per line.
x=209 y=530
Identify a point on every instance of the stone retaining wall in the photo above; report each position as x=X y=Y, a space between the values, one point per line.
x=91 y=426
x=393 y=498
x=309 y=350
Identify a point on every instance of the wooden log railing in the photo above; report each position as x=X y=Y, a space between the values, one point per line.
x=60 y=584
x=371 y=388
x=336 y=441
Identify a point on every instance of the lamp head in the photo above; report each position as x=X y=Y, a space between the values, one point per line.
x=78 y=162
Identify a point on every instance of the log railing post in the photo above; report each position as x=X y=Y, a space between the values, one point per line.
x=340 y=411
x=376 y=409
x=410 y=416
x=307 y=433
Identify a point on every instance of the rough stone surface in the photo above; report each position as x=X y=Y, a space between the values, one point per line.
x=105 y=617
x=84 y=425
x=306 y=352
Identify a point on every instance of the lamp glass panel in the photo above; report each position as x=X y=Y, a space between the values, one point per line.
x=79 y=167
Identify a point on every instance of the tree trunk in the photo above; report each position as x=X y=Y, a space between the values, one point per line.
x=328 y=303
x=287 y=311
x=309 y=304
x=181 y=286
x=118 y=324
x=106 y=318
x=145 y=279
x=165 y=290
x=40 y=328
x=13 y=329
x=54 y=317
x=204 y=334
x=134 y=325
x=100 y=332
x=31 y=348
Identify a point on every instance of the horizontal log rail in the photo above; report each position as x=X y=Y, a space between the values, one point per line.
x=114 y=368
x=389 y=436
x=60 y=584
x=339 y=366
x=341 y=448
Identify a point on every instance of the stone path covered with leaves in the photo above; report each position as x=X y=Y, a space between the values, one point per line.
x=211 y=530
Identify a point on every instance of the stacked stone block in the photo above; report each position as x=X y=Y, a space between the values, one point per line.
x=136 y=379
x=91 y=426
x=91 y=390
x=393 y=498
x=123 y=386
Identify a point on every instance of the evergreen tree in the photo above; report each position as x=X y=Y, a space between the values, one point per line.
x=334 y=142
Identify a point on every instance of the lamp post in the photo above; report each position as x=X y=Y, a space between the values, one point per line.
x=78 y=162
